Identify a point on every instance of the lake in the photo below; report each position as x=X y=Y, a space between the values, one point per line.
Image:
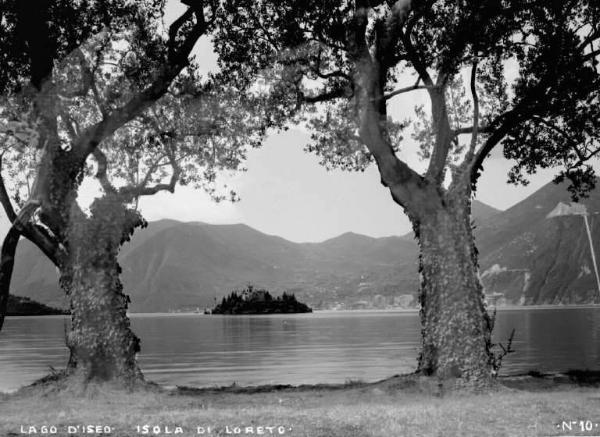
x=322 y=347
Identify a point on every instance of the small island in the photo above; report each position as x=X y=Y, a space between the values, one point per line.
x=258 y=301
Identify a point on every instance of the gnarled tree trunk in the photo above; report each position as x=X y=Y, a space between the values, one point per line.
x=456 y=328
x=102 y=344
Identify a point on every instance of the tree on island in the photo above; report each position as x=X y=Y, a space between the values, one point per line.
x=336 y=66
x=103 y=90
x=253 y=300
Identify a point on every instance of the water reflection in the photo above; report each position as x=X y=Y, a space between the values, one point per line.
x=305 y=348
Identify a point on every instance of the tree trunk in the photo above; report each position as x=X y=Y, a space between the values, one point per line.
x=7 y=262
x=456 y=328
x=102 y=344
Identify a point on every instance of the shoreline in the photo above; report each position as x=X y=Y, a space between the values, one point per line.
x=333 y=312
x=581 y=377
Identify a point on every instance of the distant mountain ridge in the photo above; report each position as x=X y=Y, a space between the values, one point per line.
x=532 y=259
x=170 y=266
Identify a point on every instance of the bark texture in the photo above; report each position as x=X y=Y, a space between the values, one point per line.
x=456 y=329
x=102 y=344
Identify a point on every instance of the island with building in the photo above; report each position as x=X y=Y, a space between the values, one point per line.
x=258 y=301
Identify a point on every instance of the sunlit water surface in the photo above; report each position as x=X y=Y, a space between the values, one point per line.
x=323 y=347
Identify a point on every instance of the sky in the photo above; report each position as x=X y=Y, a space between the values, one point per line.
x=286 y=192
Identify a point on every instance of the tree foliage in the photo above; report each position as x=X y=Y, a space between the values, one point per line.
x=258 y=301
x=121 y=100
x=328 y=61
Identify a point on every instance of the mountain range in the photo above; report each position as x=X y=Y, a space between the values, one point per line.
x=525 y=258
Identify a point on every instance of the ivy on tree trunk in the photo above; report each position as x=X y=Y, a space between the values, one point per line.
x=101 y=342
x=455 y=324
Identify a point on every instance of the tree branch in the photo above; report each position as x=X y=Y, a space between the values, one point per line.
x=443 y=136
x=475 y=111
x=102 y=172
x=406 y=186
x=4 y=197
x=505 y=122
x=555 y=128
x=333 y=74
x=404 y=90
x=591 y=55
x=459 y=172
x=38 y=235
x=143 y=190
x=391 y=31
x=469 y=130
x=325 y=96
x=9 y=248
x=414 y=58
x=594 y=35
x=150 y=171
x=7 y=262
x=177 y=60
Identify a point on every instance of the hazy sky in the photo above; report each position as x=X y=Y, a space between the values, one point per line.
x=285 y=192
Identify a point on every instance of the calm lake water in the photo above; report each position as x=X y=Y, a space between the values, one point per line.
x=199 y=350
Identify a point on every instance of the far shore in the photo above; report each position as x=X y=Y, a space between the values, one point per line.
x=328 y=311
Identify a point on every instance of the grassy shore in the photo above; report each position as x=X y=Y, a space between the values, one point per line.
x=399 y=406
